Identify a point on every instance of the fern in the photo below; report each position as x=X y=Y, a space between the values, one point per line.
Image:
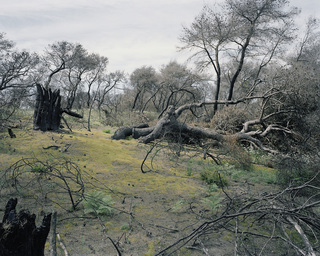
x=214 y=201
x=98 y=203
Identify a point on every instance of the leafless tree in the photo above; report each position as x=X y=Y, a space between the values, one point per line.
x=236 y=32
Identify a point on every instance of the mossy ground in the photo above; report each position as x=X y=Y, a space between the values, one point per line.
x=156 y=207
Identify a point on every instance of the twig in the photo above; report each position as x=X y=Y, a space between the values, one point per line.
x=62 y=245
x=204 y=249
x=146 y=157
x=53 y=250
x=303 y=236
x=65 y=121
x=52 y=146
x=236 y=238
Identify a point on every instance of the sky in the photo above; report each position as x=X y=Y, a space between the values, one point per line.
x=131 y=33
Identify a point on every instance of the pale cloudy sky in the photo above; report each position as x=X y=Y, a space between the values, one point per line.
x=131 y=33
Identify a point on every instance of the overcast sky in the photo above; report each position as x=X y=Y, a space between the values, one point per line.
x=131 y=33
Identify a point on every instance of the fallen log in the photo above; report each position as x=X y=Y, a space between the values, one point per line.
x=124 y=132
x=168 y=126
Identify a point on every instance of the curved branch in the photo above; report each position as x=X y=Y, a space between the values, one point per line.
x=169 y=98
x=71 y=113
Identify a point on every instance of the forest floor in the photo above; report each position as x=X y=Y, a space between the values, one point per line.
x=151 y=210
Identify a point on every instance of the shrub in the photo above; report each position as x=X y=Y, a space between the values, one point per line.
x=106 y=130
x=38 y=169
x=125 y=227
x=214 y=177
x=229 y=119
x=297 y=170
x=213 y=201
x=240 y=157
x=98 y=203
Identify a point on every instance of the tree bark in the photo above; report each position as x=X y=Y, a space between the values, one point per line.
x=19 y=235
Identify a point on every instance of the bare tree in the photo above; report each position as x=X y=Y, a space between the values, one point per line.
x=143 y=80
x=107 y=83
x=16 y=78
x=236 y=32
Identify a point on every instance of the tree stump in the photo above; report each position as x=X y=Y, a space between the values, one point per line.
x=47 y=112
x=19 y=235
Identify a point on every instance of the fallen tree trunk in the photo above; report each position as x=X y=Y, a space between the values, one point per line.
x=124 y=131
x=169 y=126
x=19 y=235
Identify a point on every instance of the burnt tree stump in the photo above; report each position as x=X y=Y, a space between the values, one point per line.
x=48 y=112
x=19 y=235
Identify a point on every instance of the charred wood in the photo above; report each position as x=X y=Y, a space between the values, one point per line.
x=19 y=235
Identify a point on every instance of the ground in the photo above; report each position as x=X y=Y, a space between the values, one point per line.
x=151 y=210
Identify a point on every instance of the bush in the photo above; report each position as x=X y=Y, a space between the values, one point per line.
x=229 y=119
x=213 y=201
x=214 y=177
x=98 y=203
x=106 y=130
x=240 y=157
x=297 y=170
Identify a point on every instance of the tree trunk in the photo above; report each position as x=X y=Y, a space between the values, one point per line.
x=168 y=126
x=19 y=235
x=124 y=132
x=47 y=112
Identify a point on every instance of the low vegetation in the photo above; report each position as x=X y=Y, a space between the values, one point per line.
x=97 y=187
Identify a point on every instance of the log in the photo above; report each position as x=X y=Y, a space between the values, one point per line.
x=124 y=131
x=19 y=235
x=168 y=126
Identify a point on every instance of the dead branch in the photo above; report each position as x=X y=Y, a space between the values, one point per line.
x=280 y=210
x=62 y=245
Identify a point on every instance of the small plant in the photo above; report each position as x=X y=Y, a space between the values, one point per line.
x=38 y=169
x=213 y=201
x=178 y=205
x=106 y=131
x=212 y=188
x=125 y=227
x=189 y=171
x=214 y=177
x=98 y=203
